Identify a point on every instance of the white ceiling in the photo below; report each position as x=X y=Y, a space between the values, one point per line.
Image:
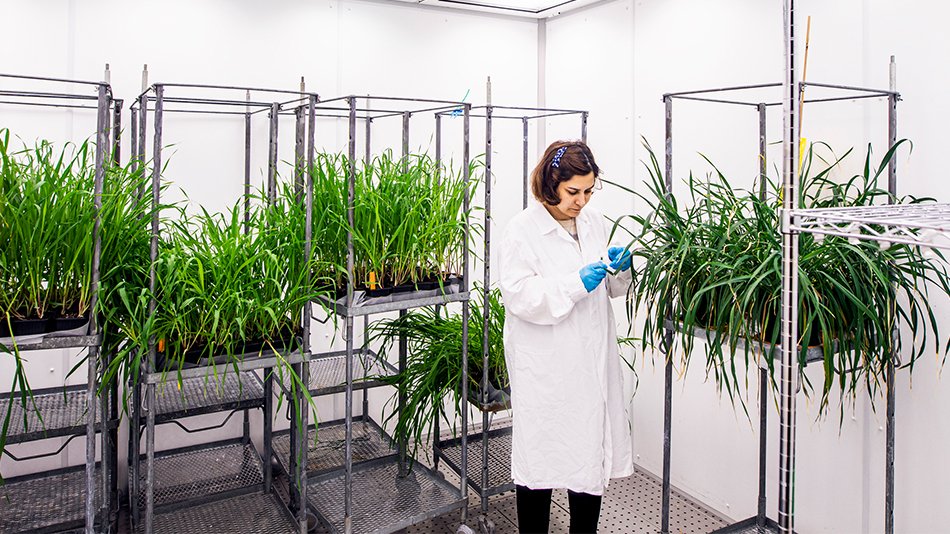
x=535 y=9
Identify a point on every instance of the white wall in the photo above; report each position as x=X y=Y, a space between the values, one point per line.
x=683 y=45
x=616 y=59
x=340 y=47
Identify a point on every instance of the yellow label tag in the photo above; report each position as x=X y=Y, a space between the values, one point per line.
x=801 y=152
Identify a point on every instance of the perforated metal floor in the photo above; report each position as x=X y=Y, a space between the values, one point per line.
x=189 y=474
x=328 y=453
x=204 y=394
x=383 y=502
x=34 y=503
x=60 y=412
x=255 y=513
x=328 y=372
x=630 y=506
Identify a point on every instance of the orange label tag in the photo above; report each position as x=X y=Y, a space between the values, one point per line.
x=161 y=345
x=372 y=279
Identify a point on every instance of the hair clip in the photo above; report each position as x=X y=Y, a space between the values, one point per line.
x=556 y=162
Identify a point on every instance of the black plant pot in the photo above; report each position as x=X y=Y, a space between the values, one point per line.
x=378 y=292
x=198 y=356
x=24 y=327
x=406 y=288
x=59 y=324
x=425 y=285
x=56 y=322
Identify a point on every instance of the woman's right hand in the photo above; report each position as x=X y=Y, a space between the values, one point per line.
x=592 y=275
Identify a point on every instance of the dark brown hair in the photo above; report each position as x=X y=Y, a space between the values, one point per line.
x=558 y=166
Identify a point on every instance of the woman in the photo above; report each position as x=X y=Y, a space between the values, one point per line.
x=570 y=428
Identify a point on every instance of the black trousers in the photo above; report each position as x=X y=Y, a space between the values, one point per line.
x=534 y=511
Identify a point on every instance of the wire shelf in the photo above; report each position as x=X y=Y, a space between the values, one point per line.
x=50 y=501
x=383 y=501
x=326 y=445
x=411 y=300
x=499 y=459
x=51 y=341
x=56 y=412
x=253 y=513
x=750 y=526
x=196 y=472
x=241 y=362
x=201 y=395
x=328 y=371
x=814 y=354
x=912 y=224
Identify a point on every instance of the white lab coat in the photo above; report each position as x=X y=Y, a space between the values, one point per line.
x=570 y=427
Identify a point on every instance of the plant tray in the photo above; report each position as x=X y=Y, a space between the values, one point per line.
x=814 y=354
x=194 y=358
x=371 y=297
x=498 y=399
x=31 y=330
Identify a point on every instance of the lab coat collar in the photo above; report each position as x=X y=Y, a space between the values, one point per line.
x=548 y=224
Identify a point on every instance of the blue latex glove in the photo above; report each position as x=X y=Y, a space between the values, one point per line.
x=592 y=275
x=619 y=258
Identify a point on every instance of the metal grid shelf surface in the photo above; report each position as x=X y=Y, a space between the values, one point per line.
x=46 y=502
x=200 y=395
x=52 y=341
x=253 y=513
x=386 y=503
x=814 y=354
x=406 y=304
x=749 y=526
x=197 y=472
x=328 y=371
x=326 y=445
x=241 y=362
x=912 y=224
x=499 y=459
x=62 y=412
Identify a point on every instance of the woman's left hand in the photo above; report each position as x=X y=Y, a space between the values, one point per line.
x=619 y=258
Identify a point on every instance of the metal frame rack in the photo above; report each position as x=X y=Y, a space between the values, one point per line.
x=498 y=480
x=392 y=497
x=60 y=411
x=920 y=225
x=818 y=221
x=238 y=467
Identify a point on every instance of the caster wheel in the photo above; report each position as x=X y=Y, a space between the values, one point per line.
x=485 y=525
x=464 y=529
x=312 y=522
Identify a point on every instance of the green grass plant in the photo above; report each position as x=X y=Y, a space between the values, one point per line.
x=408 y=223
x=220 y=287
x=47 y=219
x=712 y=260
x=434 y=364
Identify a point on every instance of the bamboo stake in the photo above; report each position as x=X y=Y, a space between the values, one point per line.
x=801 y=94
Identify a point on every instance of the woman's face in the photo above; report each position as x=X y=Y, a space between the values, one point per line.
x=574 y=195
